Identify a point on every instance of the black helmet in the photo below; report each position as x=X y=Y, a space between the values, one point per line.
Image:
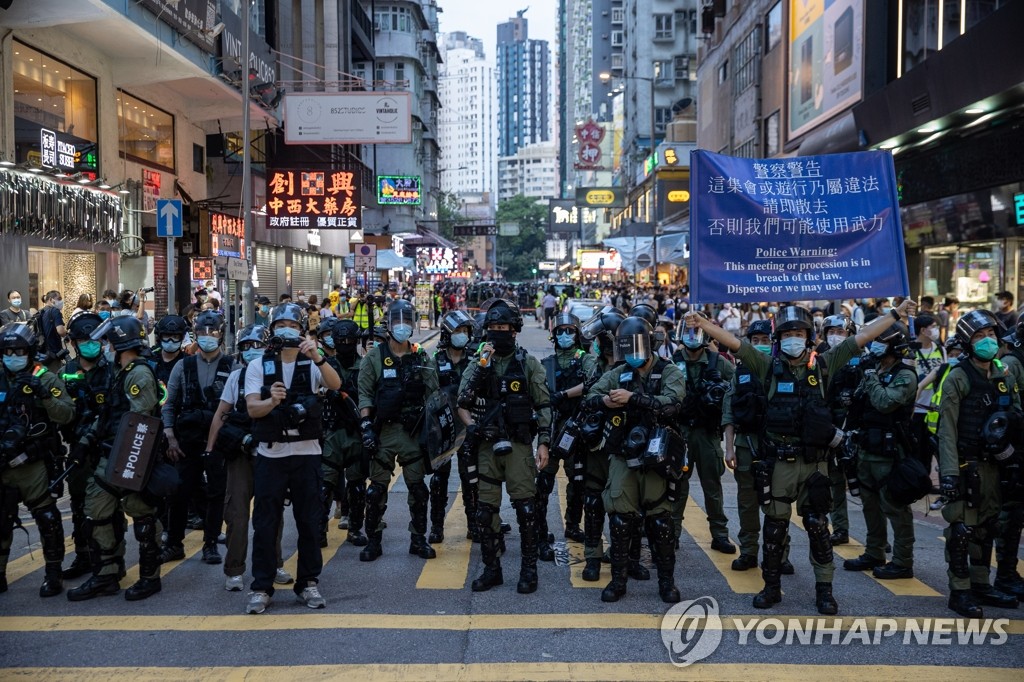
x=1015 y=337
x=793 y=317
x=759 y=327
x=567 y=320
x=17 y=335
x=253 y=333
x=975 y=321
x=380 y=332
x=123 y=333
x=633 y=337
x=327 y=326
x=478 y=330
x=455 y=319
x=209 y=322
x=897 y=337
x=82 y=325
x=345 y=330
x=288 y=311
x=954 y=343
x=401 y=312
x=646 y=312
x=171 y=325
x=604 y=321
x=503 y=311
x=841 y=321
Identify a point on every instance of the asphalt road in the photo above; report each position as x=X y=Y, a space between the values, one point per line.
x=404 y=618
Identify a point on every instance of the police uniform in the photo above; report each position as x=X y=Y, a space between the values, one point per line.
x=504 y=397
x=36 y=400
x=344 y=468
x=396 y=388
x=701 y=420
x=1011 y=514
x=841 y=389
x=449 y=376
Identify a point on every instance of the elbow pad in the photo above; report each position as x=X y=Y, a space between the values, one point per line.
x=466 y=400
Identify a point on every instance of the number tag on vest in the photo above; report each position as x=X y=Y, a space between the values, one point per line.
x=268 y=367
x=3 y=396
x=744 y=379
x=786 y=387
x=855 y=361
x=625 y=377
x=445 y=368
x=390 y=374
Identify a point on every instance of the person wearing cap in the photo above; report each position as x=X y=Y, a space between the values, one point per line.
x=33 y=402
x=798 y=434
x=979 y=429
x=262 y=317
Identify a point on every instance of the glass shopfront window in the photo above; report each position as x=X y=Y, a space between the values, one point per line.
x=146 y=133
x=971 y=272
x=54 y=113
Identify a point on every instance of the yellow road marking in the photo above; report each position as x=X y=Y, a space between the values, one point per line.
x=695 y=523
x=902 y=588
x=451 y=567
x=577 y=560
x=193 y=542
x=491 y=672
x=447 y=622
x=33 y=561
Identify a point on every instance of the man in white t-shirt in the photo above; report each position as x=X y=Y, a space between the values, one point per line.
x=730 y=319
x=287 y=423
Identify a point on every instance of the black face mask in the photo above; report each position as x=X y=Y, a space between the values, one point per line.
x=504 y=343
x=346 y=352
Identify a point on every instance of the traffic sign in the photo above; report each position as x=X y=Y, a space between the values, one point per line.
x=168 y=217
x=477 y=230
x=366 y=258
x=644 y=260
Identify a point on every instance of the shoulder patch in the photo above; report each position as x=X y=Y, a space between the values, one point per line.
x=812 y=380
x=27 y=390
x=134 y=389
x=56 y=392
x=388 y=361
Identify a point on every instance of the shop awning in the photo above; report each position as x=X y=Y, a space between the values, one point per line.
x=387 y=259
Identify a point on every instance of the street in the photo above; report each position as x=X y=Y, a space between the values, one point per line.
x=404 y=618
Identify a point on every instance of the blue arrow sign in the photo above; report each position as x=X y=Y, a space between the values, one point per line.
x=168 y=218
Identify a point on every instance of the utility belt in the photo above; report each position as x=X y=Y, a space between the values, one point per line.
x=879 y=442
x=791 y=452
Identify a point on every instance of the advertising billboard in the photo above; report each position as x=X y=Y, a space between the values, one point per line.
x=348 y=118
x=313 y=199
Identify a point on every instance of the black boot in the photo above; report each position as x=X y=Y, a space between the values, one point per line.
x=96 y=586
x=574 y=500
x=592 y=570
x=491 y=577
x=661 y=536
x=989 y=596
x=419 y=499
x=438 y=502
x=545 y=484
x=620 y=530
x=636 y=570
x=1008 y=580
x=774 y=542
x=53 y=583
x=79 y=566
x=51 y=531
x=355 y=494
x=469 y=501
x=82 y=563
x=373 y=548
x=526 y=514
x=374 y=515
x=824 y=600
x=963 y=603
x=593 y=526
x=149 y=560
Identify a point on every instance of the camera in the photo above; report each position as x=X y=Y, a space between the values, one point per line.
x=566 y=439
x=147 y=290
x=636 y=443
x=11 y=443
x=592 y=430
x=248 y=444
x=503 y=447
x=297 y=413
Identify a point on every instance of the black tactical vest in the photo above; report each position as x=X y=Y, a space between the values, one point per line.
x=749 y=402
x=89 y=389
x=986 y=398
x=163 y=369
x=194 y=396
x=281 y=426
x=872 y=418
x=618 y=422
x=795 y=405
x=401 y=387
x=698 y=410
x=118 y=403
x=20 y=406
x=841 y=389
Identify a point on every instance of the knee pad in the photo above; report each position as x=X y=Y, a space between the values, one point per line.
x=545 y=483
x=419 y=492
x=527 y=506
x=356 y=488
x=818 y=537
x=593 y=504
x=374 y=494
x=48 y=520
x=819 y=495
x=438 y=485
x=484 y=516
x=145 y=529
x=959 y=537
x=775 y=531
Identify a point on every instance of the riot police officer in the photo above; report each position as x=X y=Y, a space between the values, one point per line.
x=707 y=379
x=568 y=372
x=170 y=333
x=798 y=433
x=134 y=389
x=979 y=414
x=193 y=394
x=87 y=376
x=885 y=403
x=1011 y=471
x=344 y=469
x=452 y=358
x=834 y=330
x=640 y=399
x=395 y=379
x=230 y=436
x=600 y=331
x=504 y=402
x=33 y=402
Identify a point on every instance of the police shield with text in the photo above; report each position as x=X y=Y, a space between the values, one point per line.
x=33 y=402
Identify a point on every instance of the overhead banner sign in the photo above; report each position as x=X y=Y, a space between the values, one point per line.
x=398 y=190
x=813 y=227
x=227 y=235
x=601 y=197
x=193 y=19
x=321 y=200
x=348 y=118
x=600 y=260
x=826 y=60
x=564 y=216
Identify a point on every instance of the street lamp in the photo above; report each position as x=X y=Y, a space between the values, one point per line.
x=606 y=77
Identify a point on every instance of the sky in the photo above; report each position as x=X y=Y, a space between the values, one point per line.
x=480 y=19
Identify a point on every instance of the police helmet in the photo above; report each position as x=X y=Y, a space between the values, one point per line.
x=759 y=327
x=793 y=317
x=1015 y=337
x=344 y=331
x=503 y=311
x=646 y=312
x=953 y=343
x=455 y=319
x=327 y=326
x=604 y=321
x=841 y=321
x=288 y=311
x=401 y=312
x=171 y=325
x=252 y=334
x=897 y=337
x=208 y=323
x=123 y=333
x=17 y=335
x=380 y=333
x=974 y=322
x=633 y=337
x=82 y=325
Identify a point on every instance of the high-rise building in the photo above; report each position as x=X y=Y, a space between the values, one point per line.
x=532 y=171
x=466 y=127
x=524 y=100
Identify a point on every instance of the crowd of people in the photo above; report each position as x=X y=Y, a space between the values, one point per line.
x=320 y=401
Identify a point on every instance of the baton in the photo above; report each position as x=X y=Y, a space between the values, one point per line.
x=60 y=479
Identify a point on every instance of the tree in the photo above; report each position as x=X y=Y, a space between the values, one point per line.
x=519 y=255
x=449 y=213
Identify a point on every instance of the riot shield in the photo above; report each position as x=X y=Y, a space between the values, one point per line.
x=443 y=431
x=134 y=451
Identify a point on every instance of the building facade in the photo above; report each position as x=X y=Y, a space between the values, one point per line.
x=532 y=171
x=524 y=78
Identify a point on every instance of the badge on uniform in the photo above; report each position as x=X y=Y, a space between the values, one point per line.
x=268 y=367
x=134 y=390
x=625 y=376
x=744 y=379
x=445 y=368
x=390 y=373
x=786 y=387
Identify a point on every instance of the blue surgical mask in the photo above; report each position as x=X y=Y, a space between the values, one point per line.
x=208 y=344
x=328 y=341
x=635 y=361
x=878 y=349
x=90 y=350
x=984 y=349
x=104 y=314
x=793 y=346
x=566 y=341
x=264 y=309
x=460 y=340
x=287 y=333
x=886 y=309
x=767 y=350
x=15 y=302
x=15 y=363
x=170 y=346
x=110 y=354
x=401 y=333
x=694 y=343
x=252 y=354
